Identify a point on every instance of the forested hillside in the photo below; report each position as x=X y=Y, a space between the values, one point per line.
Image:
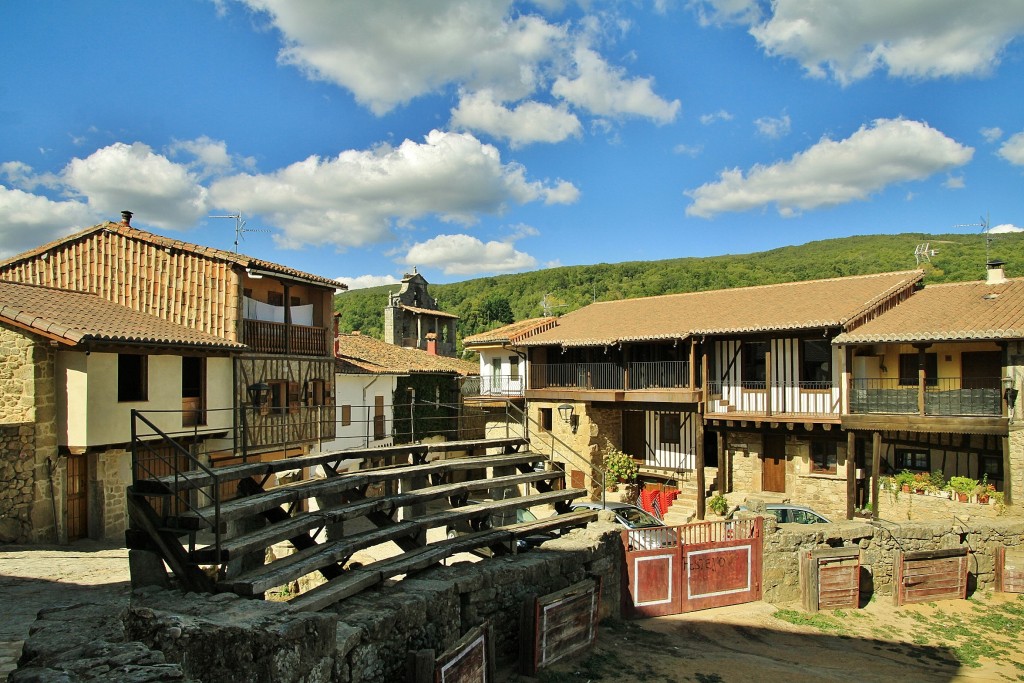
x=485 y=303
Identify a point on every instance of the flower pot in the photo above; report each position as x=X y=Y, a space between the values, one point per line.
x=983 y=499
x=906 y=488
x=962 y=497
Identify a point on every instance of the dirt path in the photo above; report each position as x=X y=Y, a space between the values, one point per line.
x=981 y=639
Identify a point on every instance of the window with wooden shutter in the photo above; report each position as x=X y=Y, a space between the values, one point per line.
x=346 y=415
x=378 y=418
x=293 y=397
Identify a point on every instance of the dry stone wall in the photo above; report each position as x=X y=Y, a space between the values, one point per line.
x=168 y=635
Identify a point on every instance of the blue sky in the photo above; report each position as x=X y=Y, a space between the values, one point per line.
x=477 y=137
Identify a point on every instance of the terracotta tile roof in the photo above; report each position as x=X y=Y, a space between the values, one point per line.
x=428 y=311
x=961 y=310
x=161 y=241
x=361 y=353
x=512 y=333
x=811 y=304
x=80 y=317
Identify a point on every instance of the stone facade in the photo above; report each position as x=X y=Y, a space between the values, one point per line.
x=226 y=638
x=878 y=545
x=576 y=449
x=31 y=472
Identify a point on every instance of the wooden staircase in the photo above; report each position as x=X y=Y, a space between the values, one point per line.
x=215 y=542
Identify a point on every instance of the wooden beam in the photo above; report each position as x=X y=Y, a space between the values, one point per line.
x=876 y=465
x=699 y=466
x=851 y=473
x=1007 y=472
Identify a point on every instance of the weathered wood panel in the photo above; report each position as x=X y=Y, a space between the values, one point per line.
x=924 y=576
x=830 y=579
x=470 y=660
x=560 y=624
x=724 y=572
x=1009 y=569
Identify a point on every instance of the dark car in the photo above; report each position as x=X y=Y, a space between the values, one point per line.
x=786 y=513
x=501 y=518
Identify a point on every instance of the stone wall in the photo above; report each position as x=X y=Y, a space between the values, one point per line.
x=878 y=544
x=908 y=507
x=585 y=446
x=28 y=438
x=167 y=635
x=108 y=504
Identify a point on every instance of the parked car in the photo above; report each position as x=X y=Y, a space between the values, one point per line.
x=786 y=513
x=647 y=531
x=499 y=519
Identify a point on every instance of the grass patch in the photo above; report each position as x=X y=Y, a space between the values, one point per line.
x=822 y=622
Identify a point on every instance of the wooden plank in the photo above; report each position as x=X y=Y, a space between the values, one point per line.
x=914 y=555
x=566 y=622
x=467 y=661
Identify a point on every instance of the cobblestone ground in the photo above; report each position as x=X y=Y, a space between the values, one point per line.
x=34 y=577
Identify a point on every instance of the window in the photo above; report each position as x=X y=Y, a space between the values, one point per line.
x=816 y=362
x=193 y=395
x=544 y=414
x=315 y=391
x=275 y=298
x=294 y=301
x=992 y=465
x=669 y=428
x=513 y=367
x=823 y=457
x=754 y=368
x=346 y=415
x=278 y=396
x=132 y=377
x=912 y=460
x=909 y=366
x=378 y=418
x=496 y=370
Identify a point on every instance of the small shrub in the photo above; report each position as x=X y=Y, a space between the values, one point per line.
x=718 y=504
x=621 y=468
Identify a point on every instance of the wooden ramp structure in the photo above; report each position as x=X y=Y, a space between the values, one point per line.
x=212 y=526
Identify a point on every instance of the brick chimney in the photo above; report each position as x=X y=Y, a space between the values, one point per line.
x=126 y=218
x=432 y=343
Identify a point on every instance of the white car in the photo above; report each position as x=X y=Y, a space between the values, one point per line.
x=646 y=532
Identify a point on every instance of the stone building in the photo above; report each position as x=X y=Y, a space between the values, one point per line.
x=72 y=367
x=413 y=320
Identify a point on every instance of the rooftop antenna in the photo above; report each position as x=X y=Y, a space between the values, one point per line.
x=923 y=253
x=984 y=225
x=240 y=228
x=547 y=308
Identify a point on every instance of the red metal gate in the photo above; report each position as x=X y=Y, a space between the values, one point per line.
x=693 y=567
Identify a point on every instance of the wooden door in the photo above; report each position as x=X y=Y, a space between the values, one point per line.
x=773 y=467
x=981 y=369
x=634 y=434
x=77 y=497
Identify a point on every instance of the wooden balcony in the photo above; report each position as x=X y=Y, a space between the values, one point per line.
x=819 y=401
x=939 y=405
x=299 y=340
x=662 y=381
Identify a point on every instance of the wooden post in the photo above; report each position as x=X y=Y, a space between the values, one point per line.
x=722 y=484
x=699 y=466
x=1007 y=472
x=722 y=456
x=921 y=377
x=851 y=473
x=625 y=369
x=693 y=364
x=287 y=319
x=768 y=379
x=876 y=465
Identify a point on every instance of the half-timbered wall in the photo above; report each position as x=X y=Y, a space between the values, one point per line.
x=183 y=287
x=672 y=451
x=727 y=390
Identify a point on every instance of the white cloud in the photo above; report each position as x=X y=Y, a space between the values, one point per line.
x=851 y=39
x=1013 y=149
x=527 y=123
x=364 y=281
x=28 y=220
x=607 y=91
x=830 y=173
x=688 y=150
x=358 y=197
x=992 y=134
x=720 y=115
x=24 y=177
x=772 y=127
x=504 y=57
x=211 y=156
x=1004 y=228
x=954 y=182
x=122 y=176
x=467 y=255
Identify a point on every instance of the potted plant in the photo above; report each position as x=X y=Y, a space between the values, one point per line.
x=718 y=504
x=984 y=490
x=619 y=467
x=904 y=481
x=922 y=482
x=938 y=483
x=962 y=487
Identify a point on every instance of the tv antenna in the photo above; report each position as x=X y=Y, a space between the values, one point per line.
x=923 y=253
x=547 y=307
x=984 y=225
x=240 y=228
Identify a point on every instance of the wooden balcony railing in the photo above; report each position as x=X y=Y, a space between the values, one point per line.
x=500 y=385
x=811 y=399
x=945 y=396
x=268 y=337
x=638 y=376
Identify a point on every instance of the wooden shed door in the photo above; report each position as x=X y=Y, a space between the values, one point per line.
x=773 y=467
x=77 y=497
